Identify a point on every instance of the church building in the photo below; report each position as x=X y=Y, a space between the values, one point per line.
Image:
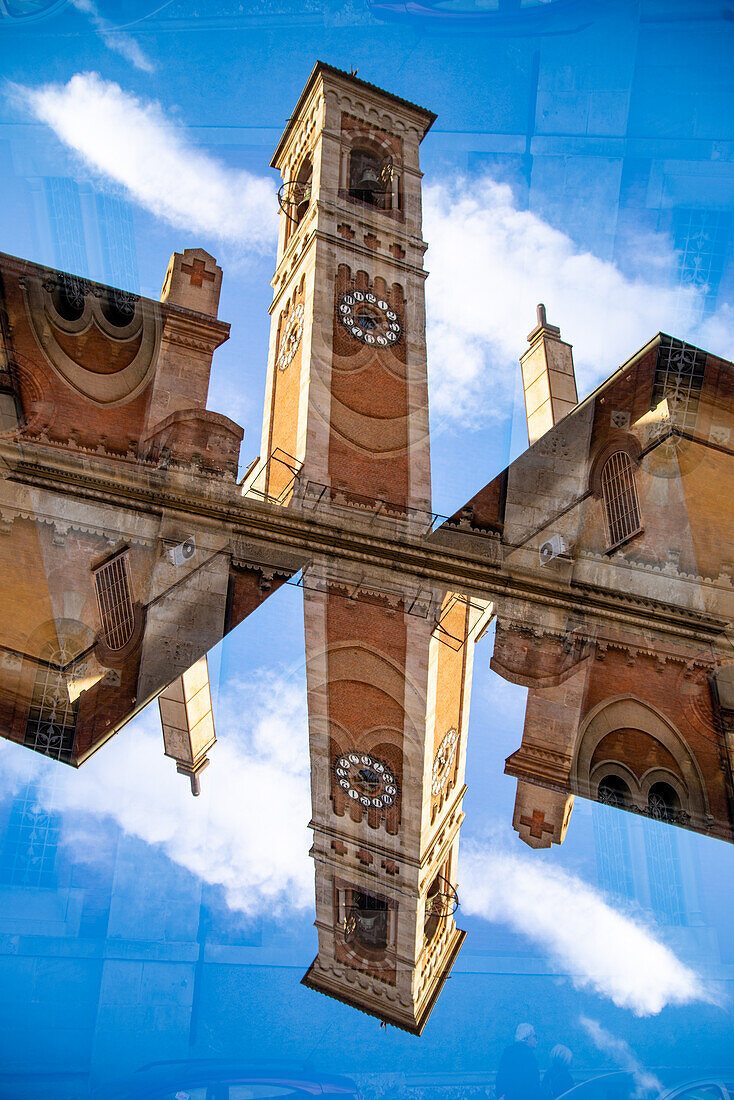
x=128 y=548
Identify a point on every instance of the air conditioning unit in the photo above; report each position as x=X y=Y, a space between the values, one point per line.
x=184 y=552
x=551 y=548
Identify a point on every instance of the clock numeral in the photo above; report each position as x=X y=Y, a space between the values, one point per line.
x=390 y=314
x=358 y=296
x=383 y=306
x=370 y=298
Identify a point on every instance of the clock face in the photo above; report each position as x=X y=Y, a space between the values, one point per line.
x=291 y=337
x=369 y=319
x=366 y=779
x=443 y=760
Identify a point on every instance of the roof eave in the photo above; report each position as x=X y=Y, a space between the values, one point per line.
x=322 y=67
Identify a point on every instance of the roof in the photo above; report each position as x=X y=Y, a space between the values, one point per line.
x=321 y=67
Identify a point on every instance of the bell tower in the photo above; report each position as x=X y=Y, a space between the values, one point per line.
x=346 y=403
x=388 y=665
x=389 y=685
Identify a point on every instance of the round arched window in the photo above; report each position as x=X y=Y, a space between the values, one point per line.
x=614 y=792
x=663 y=802
x=621 y=510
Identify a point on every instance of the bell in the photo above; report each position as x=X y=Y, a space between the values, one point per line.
x=370 y=180
x=301 y=198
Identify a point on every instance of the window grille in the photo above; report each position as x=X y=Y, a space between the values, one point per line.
x=620 y=498
x=679 y=375
x=51 y=723
x=28 y=856
x=702 y=239
x=114 y=599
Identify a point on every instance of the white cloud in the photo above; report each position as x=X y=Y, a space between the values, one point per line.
x=623 y=1055
x=491 y=263
x=132 y=142
x=603 y=948
x=113 y=39
x=247 y=831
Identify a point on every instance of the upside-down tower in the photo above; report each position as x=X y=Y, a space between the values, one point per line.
x=346 y=429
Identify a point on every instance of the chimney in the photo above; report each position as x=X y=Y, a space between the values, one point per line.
x=548 y=378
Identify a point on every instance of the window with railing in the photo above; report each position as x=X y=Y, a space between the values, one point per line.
x=621 y=508
x=114 y=600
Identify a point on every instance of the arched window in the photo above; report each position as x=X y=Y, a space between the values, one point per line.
x=370 y=178
x=621 y=510
x=302 y=190
x=295 y=197
x=434 y=908
x=614 y=792
x=114 y=599
x=663 y=802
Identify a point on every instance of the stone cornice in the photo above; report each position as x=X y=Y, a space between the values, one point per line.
x=193 y=330
x=466 y=569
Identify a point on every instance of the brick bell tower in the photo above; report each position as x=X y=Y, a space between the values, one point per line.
x=346 y=424
x=346 y=398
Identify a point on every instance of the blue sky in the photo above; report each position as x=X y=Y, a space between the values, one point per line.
x=576 y=145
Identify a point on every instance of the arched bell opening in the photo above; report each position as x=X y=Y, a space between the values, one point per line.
x=294 y=197
x=370 y=178
x=302 y=190
x=441 y=903
x=367 y=923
